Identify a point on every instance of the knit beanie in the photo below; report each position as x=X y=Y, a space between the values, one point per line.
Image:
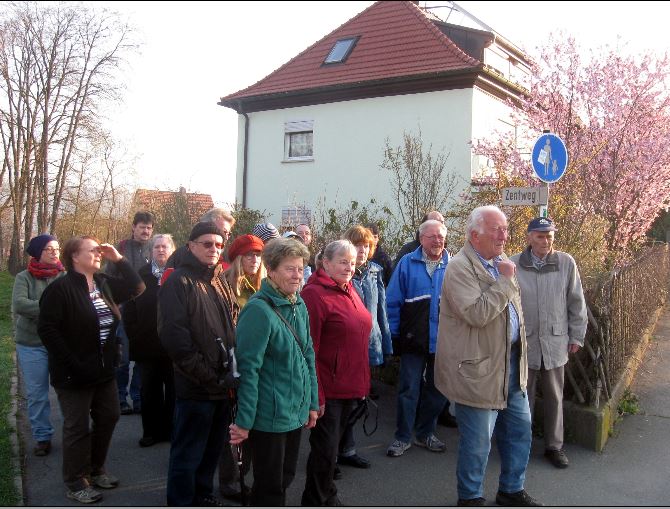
x=265 y=231
x=244 y=244
x=36 y=245
x=204 y=229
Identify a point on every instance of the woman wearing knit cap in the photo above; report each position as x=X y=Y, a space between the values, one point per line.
x=43 y=267
x=265 y=231
x=244 y=275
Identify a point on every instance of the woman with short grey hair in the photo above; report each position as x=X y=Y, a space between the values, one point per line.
x=278 y=393
x=340 y=326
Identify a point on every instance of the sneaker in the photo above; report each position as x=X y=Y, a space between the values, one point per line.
x=432 y=443
x=518 y=499
x=557 y=458
x=105 y=481
x=208 y=501
x=471 y=502
x=86 y=496
x=397 y=448
x=126 y=409
x=42 y=448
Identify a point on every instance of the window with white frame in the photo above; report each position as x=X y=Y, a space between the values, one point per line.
x=299 y=140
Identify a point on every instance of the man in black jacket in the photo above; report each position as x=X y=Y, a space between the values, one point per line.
x=197 y=313
x=137 y=250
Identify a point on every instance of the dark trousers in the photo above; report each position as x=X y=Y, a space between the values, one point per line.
x=275 y=460
x=157 y=397
x=324 y=438
x=84 y=446
x=198 y=434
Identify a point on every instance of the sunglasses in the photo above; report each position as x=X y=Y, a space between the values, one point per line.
x=208 y=244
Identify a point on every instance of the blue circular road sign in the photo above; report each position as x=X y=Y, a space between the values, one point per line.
x=550 y=158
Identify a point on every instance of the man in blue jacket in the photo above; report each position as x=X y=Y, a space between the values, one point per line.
x=412 y=301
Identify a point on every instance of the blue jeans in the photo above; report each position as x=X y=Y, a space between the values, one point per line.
x=34 y=364
x=513 y=435
x=424 y=419
x=199 y=432
x=123 y=371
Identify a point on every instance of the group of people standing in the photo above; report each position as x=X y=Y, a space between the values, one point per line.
x=236 y=358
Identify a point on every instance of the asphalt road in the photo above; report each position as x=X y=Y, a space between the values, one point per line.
x=633 y=469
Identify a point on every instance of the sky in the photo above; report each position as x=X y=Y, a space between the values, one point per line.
x=194 y=53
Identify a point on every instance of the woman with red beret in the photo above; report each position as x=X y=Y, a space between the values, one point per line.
x=244 y=275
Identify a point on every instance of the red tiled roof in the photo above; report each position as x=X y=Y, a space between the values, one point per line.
x=396 y=40
x=154 y=200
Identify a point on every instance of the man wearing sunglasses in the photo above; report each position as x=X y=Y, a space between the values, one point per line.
x=224 y=222
x=197 y=313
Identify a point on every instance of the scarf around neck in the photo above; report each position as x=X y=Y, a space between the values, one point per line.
x=44 y=270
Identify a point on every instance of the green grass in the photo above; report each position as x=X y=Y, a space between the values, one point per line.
x=8 y=492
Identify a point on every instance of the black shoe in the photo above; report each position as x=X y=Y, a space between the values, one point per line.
x=471 y=502
x=43 y=448
x=147 y=441
x=557 y=458
x=518 y=499
x=448 y=420
x=353 y=461
x=126 y=409
x=337 y=474
x=208 y=501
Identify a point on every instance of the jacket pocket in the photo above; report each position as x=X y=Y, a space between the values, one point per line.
x=474 y=368
x=559 y=329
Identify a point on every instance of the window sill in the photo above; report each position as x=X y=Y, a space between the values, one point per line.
x=298 y=160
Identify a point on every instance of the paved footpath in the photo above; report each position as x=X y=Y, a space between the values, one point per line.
x=633 y=469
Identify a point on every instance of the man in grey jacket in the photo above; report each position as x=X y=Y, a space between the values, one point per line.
x=555 y=312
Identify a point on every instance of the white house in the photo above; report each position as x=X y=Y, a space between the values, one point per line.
x=313 y=131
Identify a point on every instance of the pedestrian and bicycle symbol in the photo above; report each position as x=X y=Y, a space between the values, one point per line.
x=550 y=158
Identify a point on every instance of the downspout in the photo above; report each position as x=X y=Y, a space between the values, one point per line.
x=245 y=158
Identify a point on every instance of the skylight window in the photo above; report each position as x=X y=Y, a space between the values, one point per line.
x=341 y=50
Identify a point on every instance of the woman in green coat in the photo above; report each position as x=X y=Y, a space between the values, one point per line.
x=278 y=393
x=43 y=268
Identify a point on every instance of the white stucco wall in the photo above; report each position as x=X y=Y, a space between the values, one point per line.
x=348 y=147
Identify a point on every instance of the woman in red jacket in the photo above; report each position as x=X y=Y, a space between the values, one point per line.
x=340 y=327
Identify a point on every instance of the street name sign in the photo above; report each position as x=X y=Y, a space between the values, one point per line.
x=524 y=196
x=550 y=158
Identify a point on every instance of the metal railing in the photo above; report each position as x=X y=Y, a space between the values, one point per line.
x=621 y=308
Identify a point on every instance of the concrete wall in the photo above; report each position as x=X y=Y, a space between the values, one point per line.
x=348 y=148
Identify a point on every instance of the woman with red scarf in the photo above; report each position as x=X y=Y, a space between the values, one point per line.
x=43 y=267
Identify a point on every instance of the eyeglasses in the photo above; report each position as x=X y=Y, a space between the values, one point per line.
x=439 y=238
x=251 y=255
x=51 y=250
x=207 y=244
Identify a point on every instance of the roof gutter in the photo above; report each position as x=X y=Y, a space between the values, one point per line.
x=245 y=158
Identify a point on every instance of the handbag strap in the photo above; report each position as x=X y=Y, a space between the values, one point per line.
x=273 y=306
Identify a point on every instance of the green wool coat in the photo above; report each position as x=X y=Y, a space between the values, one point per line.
x=278 y=384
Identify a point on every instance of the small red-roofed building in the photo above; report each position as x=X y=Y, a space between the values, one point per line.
x=315 y=129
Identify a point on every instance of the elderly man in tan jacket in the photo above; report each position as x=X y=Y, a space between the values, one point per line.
x=481 y=364
x=555 y=311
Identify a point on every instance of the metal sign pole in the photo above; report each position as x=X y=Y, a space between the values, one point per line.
x=544 y=209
